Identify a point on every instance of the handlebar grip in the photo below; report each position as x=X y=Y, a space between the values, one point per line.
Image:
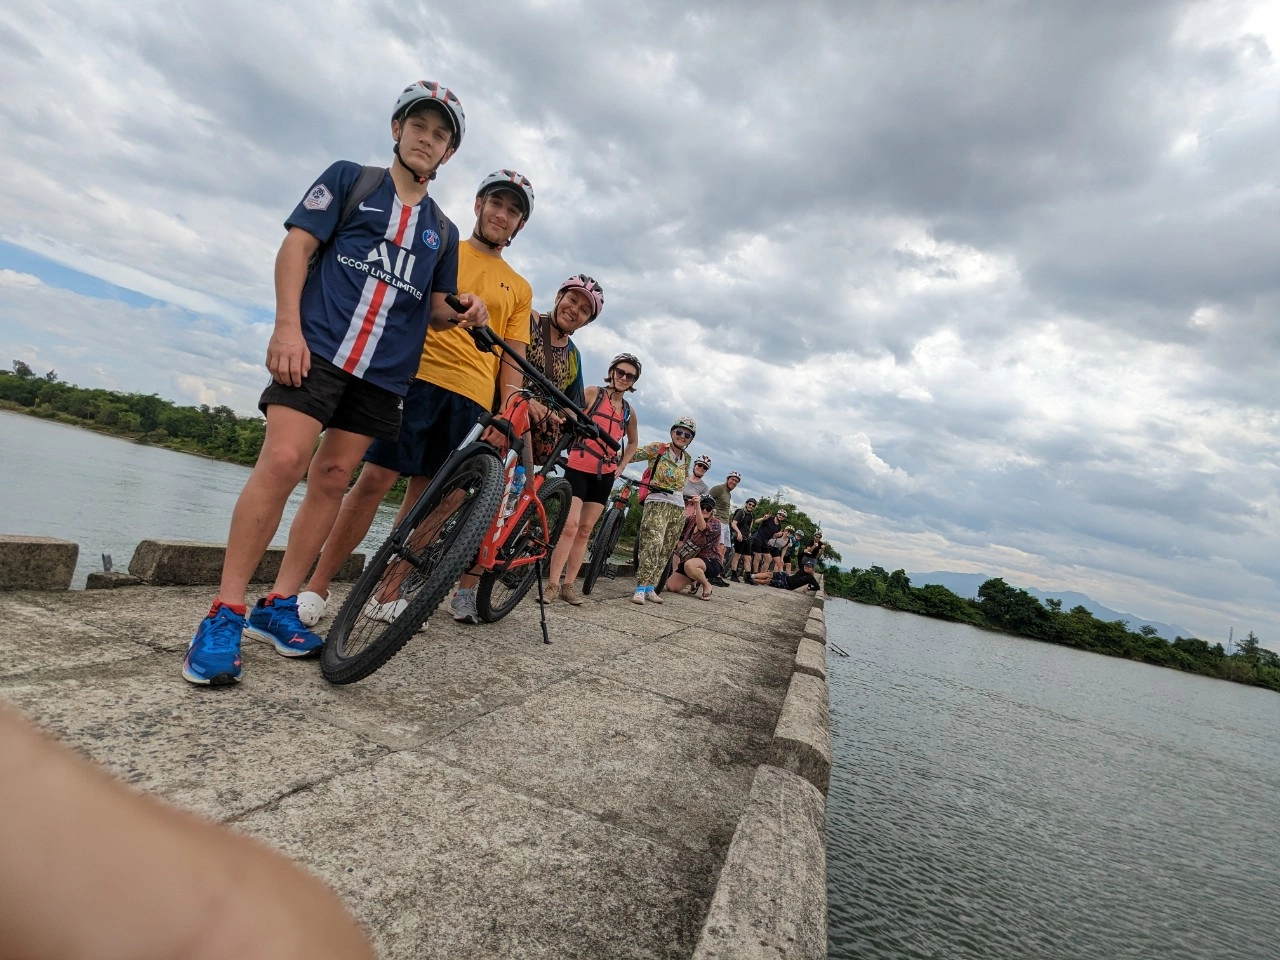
x=456 y=305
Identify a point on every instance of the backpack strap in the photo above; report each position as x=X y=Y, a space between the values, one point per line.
x=546 y=346
x=369 y=180
x=445 y=232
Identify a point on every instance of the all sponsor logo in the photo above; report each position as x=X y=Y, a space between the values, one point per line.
x=431 y=239
x=391 y=264
x=319 y=198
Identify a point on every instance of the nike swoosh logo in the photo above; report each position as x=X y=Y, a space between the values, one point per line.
x=371 y=209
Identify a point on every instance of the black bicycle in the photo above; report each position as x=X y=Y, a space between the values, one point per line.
x=605 y=540
x=451 y=523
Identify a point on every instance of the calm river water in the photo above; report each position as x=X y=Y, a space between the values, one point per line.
x=998 y=797
x=107 y=494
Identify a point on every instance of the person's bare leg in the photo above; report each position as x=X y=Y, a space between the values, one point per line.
x=578 y=548
x=286 y=450
x=696 y=570
x=355 y=516
x=195 y=888
x=677 y=582
x=327 y=480
x=561 y=554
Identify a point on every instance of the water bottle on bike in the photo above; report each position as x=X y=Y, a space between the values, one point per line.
x=517 y=487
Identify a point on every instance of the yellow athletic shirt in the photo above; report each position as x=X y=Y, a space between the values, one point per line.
x=449 y=357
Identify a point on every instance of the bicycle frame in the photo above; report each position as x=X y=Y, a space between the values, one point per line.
x=499 y=532
x=516 y=415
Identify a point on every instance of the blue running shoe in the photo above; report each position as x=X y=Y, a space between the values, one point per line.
x=275 y=619
x=213 y=658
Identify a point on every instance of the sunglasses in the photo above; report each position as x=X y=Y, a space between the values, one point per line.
x=623 y=375
x=683 y=434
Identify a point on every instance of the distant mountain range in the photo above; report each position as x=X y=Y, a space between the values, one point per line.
x=967 y=584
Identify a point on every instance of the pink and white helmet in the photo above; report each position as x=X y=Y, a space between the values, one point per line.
x=593 y=290
x=433 y=92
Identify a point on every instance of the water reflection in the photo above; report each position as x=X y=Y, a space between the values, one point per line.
x=998 y=797
x=107 y=494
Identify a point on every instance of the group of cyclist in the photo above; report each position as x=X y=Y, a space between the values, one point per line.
x=372 y=368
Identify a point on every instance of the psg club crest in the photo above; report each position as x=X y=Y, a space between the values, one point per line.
x=319 y=198
x=431 y=239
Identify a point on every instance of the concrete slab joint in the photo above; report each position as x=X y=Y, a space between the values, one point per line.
x=811 y=658
x=771 y=898
x=816 y=630
x=195 y=563
x=802 y=741
x=36 y=563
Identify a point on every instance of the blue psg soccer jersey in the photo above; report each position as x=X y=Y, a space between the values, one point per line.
x=365 y=305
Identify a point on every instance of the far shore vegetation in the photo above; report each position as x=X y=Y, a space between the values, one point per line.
x=1000 y=606
x=218 y=432
x=215 y=432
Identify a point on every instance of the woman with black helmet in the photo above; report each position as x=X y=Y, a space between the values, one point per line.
x=591 y=471
x=697 y=556
x=663 y=517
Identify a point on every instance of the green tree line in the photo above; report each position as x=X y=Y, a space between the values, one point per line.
x=211 y=431
x=1000 y=606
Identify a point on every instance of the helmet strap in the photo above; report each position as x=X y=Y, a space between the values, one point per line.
x=477 y=235
x=417 y=177
x=555 y=310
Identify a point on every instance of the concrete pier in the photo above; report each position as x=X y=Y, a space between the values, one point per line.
x=650 y=785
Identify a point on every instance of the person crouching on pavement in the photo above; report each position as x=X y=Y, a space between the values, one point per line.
x=697 y=555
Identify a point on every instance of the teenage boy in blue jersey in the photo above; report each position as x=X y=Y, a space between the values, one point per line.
x=455 y=384
x=347 y=340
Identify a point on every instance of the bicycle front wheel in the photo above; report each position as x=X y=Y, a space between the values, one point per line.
x=413 y=570
x=602 y=548
x=503 y=587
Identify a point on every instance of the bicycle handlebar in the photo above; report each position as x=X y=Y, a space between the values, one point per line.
x=486 y=340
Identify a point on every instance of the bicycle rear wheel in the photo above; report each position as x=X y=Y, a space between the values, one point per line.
x=606 y=539
x=413 y=569
x=503 y=587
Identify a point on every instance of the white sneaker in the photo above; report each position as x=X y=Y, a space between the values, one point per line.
x=385 y=612
x=311 y=608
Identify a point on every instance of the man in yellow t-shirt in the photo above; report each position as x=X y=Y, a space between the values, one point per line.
x=455 y=384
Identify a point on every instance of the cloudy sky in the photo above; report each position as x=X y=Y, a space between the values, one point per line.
x=986 y=286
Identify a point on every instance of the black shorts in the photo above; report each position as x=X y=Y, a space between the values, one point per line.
x=743 y=547
x=339 y=400
x=436 y=421
x=779 y=580
x=714 y=568
x=589 y=488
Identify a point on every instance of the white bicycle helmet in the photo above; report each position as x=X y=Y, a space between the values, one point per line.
x=704 y=460
x=432 y=92
x=517 y=183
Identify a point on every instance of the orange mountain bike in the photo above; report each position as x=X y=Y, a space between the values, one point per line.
x=462 y=520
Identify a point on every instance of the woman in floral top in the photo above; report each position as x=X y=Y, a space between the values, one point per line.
x=663 y=516
x=701 y=541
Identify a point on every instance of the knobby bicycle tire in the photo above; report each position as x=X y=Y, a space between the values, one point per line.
x=503 y=587
x=423 y=570
x=602 y=546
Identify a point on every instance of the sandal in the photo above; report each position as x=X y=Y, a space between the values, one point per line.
x=706 y=594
